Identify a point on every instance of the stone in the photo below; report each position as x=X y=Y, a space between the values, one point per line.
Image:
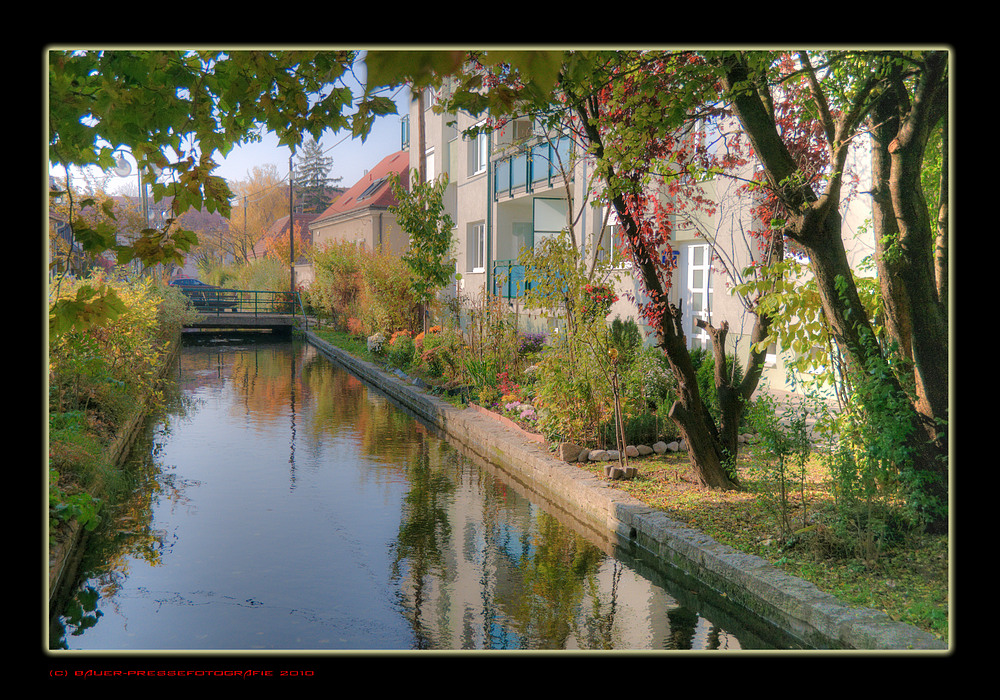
x=630 y=472
x=598 y=456
x=614 y=455
x=571 y=452
x=632 y=451
x=659 y=447
x=644 y=450
x=617 y=473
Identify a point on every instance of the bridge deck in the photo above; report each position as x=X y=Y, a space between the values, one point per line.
x=240 y=308
x=244 y=320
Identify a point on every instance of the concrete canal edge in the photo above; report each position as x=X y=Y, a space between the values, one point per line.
x=817 y=619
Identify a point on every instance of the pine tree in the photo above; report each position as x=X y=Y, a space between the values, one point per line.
x=312 y=177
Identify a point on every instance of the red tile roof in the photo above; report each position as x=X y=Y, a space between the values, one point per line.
x=373 y=190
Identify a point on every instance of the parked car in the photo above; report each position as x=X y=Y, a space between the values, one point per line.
x=206 y=297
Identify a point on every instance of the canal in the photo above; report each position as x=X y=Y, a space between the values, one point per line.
x=279 y=503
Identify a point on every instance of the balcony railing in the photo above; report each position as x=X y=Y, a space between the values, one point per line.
x=508 y=279
x=535 y=167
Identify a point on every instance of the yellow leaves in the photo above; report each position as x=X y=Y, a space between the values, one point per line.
x=90 y=306
x=114 y=325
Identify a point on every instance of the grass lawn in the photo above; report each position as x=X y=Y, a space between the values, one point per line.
x=906 y=578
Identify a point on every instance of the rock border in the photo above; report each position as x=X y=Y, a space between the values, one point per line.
x=817 y=619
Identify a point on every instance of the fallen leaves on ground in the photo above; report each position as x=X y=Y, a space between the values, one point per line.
x=908 y=580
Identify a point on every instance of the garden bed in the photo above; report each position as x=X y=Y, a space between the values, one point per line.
x=504 y=420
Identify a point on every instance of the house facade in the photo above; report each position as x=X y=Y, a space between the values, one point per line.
x=512 y=188
x=508 y=190
x=361 y=214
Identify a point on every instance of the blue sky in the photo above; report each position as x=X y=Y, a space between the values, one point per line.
x=351 y=158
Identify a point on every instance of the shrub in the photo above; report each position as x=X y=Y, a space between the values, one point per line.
x=354 y=327
x=401 y=349
x=98 y=372
x=361 y=291
x=442 y=352
x=386 y=299
x=337 y=285
x=704 y=362
x=569 y=408
x=626 y=338
x=781 y=450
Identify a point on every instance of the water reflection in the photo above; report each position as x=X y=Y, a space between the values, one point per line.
x=282 y=504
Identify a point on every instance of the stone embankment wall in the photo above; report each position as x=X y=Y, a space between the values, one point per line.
x=814 y=618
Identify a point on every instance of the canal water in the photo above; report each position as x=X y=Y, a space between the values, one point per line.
x=282 y=504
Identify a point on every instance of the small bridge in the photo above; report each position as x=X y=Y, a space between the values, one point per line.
x=242 y=309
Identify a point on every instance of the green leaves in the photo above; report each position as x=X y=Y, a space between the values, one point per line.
x=420 y=212
x=154 y=246
x=419 y=68
x=91 y=306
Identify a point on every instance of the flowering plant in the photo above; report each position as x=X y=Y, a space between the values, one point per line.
x=598 y=299
x=397 y=335
x=376 y=342
x=530 y=342
x=522 y=411
x=506 y=384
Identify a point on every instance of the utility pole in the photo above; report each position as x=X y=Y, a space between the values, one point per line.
x=291 y=225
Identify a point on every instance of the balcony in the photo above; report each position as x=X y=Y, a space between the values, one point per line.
x=535 y=167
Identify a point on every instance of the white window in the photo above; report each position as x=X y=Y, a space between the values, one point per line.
x=479 y=153
x=697 y=291
x=548 y=218
x=429 y=164
x=477 y=247
x=611 y=248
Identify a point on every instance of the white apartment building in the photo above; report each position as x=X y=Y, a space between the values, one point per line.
x=507 y=191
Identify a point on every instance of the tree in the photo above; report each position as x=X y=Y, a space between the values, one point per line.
x=312 y=178
x=633 y=112
x=176 y=109
x=260 y=200
x=420 y=212
x=642 y=127
x=279 y=247
x=900 y=98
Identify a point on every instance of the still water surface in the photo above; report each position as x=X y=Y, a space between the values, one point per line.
x=283 y=504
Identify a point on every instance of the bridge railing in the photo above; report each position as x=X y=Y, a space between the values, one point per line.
x=243 y=301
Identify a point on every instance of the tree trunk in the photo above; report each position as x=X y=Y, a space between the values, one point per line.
x=708 y=450
x=929 y=338
x=814 y=222
x=732 y=399
x=689 y=413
